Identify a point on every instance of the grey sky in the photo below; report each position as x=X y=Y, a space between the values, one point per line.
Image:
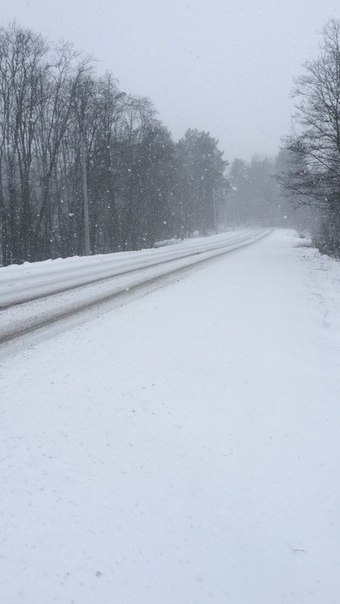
x=225 y=66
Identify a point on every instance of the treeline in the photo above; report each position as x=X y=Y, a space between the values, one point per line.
x=85 y=167
x=311 y=175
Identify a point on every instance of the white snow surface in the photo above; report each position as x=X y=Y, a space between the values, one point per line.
x=42 y=292
x=19 y=283
x=183 y=448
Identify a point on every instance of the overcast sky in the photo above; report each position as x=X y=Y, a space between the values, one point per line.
x=224 y=66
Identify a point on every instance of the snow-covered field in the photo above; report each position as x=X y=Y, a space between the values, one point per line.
x=183 y=448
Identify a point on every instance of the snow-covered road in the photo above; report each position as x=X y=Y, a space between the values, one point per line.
x=30 y=281
x=35 y=295
x=183 y=448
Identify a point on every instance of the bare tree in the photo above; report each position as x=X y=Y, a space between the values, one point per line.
x=313 y=174
x=21 y=72
x=57 y=96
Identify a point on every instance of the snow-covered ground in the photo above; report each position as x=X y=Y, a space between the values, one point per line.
x=183 y=448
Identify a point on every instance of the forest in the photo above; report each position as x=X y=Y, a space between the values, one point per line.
x=86 y=168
